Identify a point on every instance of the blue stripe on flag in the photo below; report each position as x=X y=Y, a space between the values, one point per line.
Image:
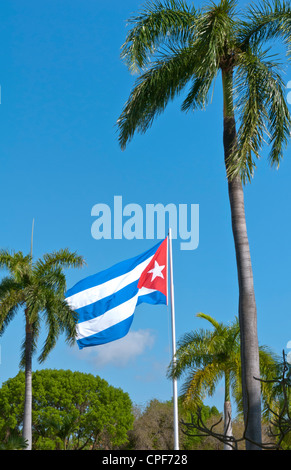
x=107 y=303
x=106 y=336
x=154 y=298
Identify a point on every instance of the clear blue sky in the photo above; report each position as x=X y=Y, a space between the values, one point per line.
x=63 y=87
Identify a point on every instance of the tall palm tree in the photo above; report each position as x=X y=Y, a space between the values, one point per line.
x=38 y=289
x=172 y=45
x=208 y=356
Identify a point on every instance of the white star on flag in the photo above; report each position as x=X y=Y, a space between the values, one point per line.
x=157 y=271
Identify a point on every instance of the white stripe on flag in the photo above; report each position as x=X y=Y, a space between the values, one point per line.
x=93 y=294
x=108 y=319
x=145 y=291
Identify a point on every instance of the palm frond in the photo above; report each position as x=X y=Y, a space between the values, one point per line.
x=210 y=319
x=192 y=351
x=11 y=298
x=53 y=326
x=264 y=22
x=214 y=34
x=262 y=111
x=53 y=279
x=153 y=90
x=200 y=383
x=68 y=319
x=157 y=23
x=197 y=97
x=63 y=258
x=16 y=263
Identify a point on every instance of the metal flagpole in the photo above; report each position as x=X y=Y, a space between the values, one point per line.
x=175 y=393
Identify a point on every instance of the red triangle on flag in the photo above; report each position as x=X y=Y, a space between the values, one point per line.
x=155 y=274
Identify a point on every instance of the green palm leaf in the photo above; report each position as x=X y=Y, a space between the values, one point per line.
x=157 y=22
x=265 y=22
x=263 y=112
x=150 y=96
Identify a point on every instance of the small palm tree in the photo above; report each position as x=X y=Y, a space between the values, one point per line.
x=210 y=356
x=62 y=428
x=175 y=47
x=14 y=442
x=38 y=289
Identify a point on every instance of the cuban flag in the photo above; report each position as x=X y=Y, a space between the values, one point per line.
x=105 y=302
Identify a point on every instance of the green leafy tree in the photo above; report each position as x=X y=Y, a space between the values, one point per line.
x=153 y=427
x=175 y=47
x=37 y=288
x=71 y=411
x=209 y=356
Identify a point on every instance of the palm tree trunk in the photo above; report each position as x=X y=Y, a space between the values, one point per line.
x=247 y=304
x=227 y=412
x=227 y=424
x=27 y=423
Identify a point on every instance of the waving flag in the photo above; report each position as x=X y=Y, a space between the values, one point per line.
x=105 y=302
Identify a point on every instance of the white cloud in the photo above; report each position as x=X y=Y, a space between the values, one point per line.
x=157 y=370
x=120 y=352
